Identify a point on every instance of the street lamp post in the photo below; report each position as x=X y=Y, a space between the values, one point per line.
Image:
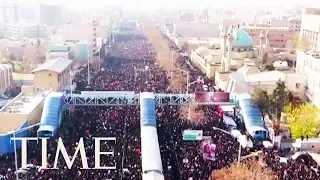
x=15 y=145
x=171 y=72
x=88 y=61
x=239 y=151
x=88 y=58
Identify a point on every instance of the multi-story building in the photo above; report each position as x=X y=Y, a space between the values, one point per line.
x=310 y=27
x=5 y=77
x=70 y=50
x=294 y=24
x=30 y=12
x=53 y=74
x=51 y=14
x=17 y=31
x=279 y=37
x=308 y=63
x=9 y=11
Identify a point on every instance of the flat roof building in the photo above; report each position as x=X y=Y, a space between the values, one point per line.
x=53 y=74
x=310 y=27
x=22 y=111
x=20 y=30
x=278 y=37
x=26 y=106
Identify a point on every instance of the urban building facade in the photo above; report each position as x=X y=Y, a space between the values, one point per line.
x=277 y=37
x=53 y=74
x=51 y=14
x=30 y=12
x=18 y=31
x=310 y=27
x=308 y=63
x=9 y=11
x=294 y=24
x=74 y=50
x=5 y=77
x=59 y=54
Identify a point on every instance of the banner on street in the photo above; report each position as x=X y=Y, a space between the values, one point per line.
x=192 y=135
x=212 y=97
x=209 y=150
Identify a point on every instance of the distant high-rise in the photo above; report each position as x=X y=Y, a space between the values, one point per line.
x=30 y=12
x=9 y=11
x=51 y=14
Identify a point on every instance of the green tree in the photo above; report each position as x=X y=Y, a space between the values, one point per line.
x=17 y=68
x=295 y=40
x=261 y=99
x=279 y=98
x=303 y=120
x=299 y=44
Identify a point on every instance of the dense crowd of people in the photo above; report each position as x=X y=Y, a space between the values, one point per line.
x=131 y=66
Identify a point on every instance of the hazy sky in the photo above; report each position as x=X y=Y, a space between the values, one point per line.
x=79 y=4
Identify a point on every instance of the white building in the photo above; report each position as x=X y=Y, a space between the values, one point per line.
x=57 y=54
x=5 y=77
x=310 y=27
x=18 y=31
x=294 y=24
x=30 y=11
x=248 y=77
x=308 y=63
x=9 y=11
x=196 y=33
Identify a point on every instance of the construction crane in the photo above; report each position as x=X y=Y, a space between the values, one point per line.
x=4 y=8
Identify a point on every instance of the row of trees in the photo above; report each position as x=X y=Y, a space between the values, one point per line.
x=272 y=104
x=250 y=170
x=301 y=118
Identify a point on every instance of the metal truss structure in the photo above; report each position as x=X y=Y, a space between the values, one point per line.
x=112 y=100
x=81 y=100
x=174 y=99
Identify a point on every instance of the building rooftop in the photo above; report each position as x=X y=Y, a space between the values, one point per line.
x=57 y=65
x=196 y=29
x=271 y=28
x=24 y=103
x=266 y=77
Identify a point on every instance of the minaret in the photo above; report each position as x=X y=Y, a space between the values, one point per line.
x=223 y=47
x=223 y=37
x=267 y=39
x=262 y=40
x=230 y=39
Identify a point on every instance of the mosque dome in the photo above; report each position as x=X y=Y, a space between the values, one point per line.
x=241 y=39
x=213 y=58
x=248 y=69
x=202 y=51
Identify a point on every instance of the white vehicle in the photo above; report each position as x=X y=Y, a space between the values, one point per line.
x=21 y=171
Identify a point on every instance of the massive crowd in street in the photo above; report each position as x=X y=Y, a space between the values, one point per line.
x=131 y=66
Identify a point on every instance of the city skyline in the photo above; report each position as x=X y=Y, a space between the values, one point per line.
x=144 y=4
